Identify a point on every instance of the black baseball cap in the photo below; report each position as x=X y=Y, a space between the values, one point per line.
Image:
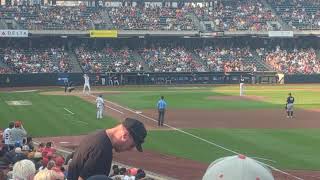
x=136 y=130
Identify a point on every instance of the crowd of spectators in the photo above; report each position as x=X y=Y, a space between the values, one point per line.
x=236 y=15
x=36 y=60
x=151 y=18
x=300 y=14
x=4 y=70
x=240 y=15
x=227 y=60
x=109 y=59
x=167 y=59
x=296 y=61
x=21 y=159
x=53 y=17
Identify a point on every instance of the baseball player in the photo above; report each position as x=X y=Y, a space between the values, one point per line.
x=289 y=106
x=100 y=106
x=86 y=84
x=241 y=85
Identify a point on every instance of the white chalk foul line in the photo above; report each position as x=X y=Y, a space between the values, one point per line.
x=68 y=111
x=78 y=121
x=109 y=106
x=115 y=109
x=207 y=141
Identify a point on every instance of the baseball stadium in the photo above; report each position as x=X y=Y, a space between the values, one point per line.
x=225 y=89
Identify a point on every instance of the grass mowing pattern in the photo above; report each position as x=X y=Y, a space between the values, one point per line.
x=47 y=117
x=184 y=100
x=291 y=149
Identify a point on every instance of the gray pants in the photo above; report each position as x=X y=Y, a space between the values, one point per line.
x=161 y=116
x=290 y=107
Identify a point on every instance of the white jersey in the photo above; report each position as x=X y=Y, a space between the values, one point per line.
x=86 y=79
x=7 y=136
x=100 y=102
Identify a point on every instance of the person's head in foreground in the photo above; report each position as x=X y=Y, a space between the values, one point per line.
x=47 y=175
x=129 y=134
x=23 y=170
x=237 y=167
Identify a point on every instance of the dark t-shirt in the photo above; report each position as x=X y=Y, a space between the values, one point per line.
x=93 y=157
x=290 y=100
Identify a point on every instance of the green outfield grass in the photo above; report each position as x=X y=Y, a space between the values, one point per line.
x=291 y=149
x=47 y=116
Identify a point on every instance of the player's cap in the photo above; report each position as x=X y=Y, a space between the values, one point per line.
x=137 y=131
x=237 y=167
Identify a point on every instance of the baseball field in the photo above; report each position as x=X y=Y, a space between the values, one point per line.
x=203 y=123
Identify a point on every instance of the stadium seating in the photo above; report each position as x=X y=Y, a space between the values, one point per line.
x=36 y=60
x=302 y=15
x=302 y=61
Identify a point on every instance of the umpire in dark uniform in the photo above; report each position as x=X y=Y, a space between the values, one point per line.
x=161 y=105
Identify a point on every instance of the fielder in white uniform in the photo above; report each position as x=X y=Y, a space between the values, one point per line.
x=100 y=106
x=241 y=86
x=86 y=84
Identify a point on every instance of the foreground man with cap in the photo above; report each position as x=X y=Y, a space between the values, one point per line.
x=94 y=154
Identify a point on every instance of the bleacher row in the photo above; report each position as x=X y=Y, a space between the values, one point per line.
x=252 y=15
x=160 y=59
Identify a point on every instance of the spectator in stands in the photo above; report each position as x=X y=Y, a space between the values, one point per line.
x=115 y=170
x=18 y=132
x=94 y=154
x=24 y=170
x=30 y=143
x=7 y=137
x=48 y=150
x=140 y=174
x=302 y=61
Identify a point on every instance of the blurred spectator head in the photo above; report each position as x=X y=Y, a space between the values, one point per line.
x=24 y=170
x=132 y=171
x=17 y=144
x=37 y=155
x=46 y=175
x=18 y=150
x=29 y=139
x=122 y=171
x=140 y=174
x=17 y=124
x=11 y=124
x=233 y=167
x=25 y=148
x=51 y=164
x=49 y=144
x=59 y=160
